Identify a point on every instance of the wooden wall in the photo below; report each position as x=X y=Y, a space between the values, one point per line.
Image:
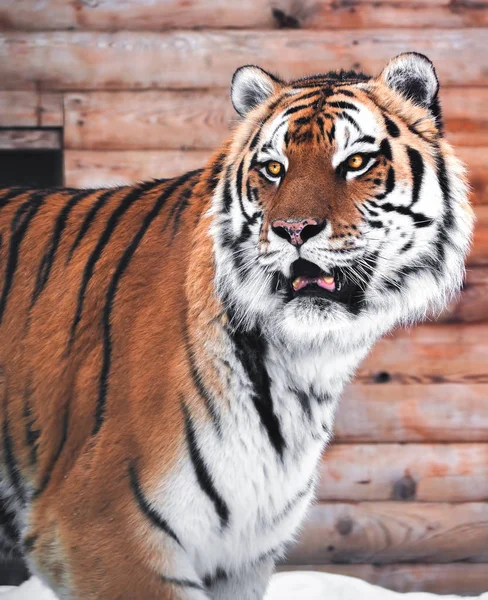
x=140 y=89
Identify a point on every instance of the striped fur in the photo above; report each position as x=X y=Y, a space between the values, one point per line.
x=166 y=395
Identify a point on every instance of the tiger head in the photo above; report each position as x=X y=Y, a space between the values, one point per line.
x=341 y=209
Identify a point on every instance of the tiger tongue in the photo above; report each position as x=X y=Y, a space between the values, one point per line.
x=326 y=282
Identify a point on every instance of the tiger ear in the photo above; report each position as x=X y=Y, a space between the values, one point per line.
x=413 y=76
x=251 y=86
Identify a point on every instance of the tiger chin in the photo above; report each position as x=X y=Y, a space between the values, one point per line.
x=172 y=353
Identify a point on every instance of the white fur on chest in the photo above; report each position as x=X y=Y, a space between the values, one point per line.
x=266 y=494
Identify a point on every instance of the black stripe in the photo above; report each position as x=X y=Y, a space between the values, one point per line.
x=112 y=292
x=343 y=105
x=198 y=382
x=331 y=134
x=20 y=224
x=417 y=167
x=52 y=246
x=385 y=149
x=367 y=139
x=179 y=205
x=89 y=218
x=351 y=120
x=217 y=168
x=62 y=441
x=146 y=508
x=210 y=579
x=31 y=434
x=10 y=195
x=13 y=470
x=419 y=219
x=389 y=185
x=8 y=525
x=251 y=350
x=124 y=205
x=201 y=471
x=297 y=108
x=391 y=127
x=182 y=583
x=239 y=190
x=29 y=543
x=183 y=204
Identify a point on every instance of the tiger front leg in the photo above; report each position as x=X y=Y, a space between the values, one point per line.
x=249 y=584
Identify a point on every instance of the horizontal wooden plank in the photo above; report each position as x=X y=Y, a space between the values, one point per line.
x=433 y=353
x=203 y=119
x=148 y=120
x=466 y=579
x=99 y=168
x=476 y=159
x=205 y=59
x=19 y=109
x=479 y=251
x=391 y=532
x=30 y=139
x=392 y=412
x=30 y=109
x=327 y=14
x=420 y=472
x=51 y=111
x=471 y=306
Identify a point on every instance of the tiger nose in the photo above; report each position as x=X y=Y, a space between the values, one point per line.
x=297 y=232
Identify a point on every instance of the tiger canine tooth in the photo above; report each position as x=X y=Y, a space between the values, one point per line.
x=328 y=279
x=296 y=283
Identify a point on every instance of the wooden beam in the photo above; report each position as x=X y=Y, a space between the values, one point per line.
x=433 y=353
x=30 y=139
x=99 y=169
x=158 y=119
x=252 y=14
x=89 y=60
x=464 y=579
x=392 y=412
x=392 y=532
x=19 y=109
x=476 y=159
x=472 y=304
x=420 y=472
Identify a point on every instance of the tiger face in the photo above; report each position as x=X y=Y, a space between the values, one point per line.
x=342 y=209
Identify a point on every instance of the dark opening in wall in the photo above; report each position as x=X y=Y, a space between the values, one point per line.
x=31 y=157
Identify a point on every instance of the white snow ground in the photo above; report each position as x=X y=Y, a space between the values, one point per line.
x=298 y=585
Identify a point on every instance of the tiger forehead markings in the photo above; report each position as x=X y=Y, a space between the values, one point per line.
x=172 y=353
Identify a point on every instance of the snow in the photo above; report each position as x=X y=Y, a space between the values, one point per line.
x=298 y=585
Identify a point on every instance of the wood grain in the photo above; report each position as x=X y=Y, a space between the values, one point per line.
x=472 y=304
x=30 y=139
x=420 y=472
x=479 y=251
x=30 y=109
x=99 y=168
x=432 y=353
x=206 y=59
x=476 y=160
x=253 y=14
x=392 y=412
x=203 y=119
x=18 y=109
x=148 y=120
x=464 y=579
x=391 y=532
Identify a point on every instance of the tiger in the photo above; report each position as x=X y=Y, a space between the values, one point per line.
x=172 y=353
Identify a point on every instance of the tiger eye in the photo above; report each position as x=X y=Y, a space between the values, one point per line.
x=355 y=161
x=274 y=168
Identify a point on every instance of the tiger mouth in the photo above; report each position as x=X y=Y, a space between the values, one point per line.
x=308 y=280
